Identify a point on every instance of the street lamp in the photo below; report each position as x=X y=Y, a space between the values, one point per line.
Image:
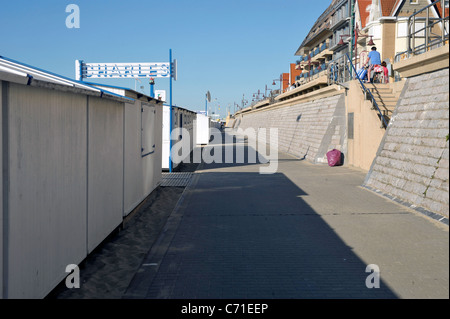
x=281 y=82
x=267 y=89
x=152 y=87
x=357 y=35
x=256 y=96
x=244 y=101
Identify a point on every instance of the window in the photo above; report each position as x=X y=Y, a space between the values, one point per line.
x=413 y=1
x=376 y=31
x=402 y=29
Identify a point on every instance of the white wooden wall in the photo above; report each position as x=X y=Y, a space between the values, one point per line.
x=47 y=188
x=73 y=170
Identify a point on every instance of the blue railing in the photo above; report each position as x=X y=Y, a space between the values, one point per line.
x=365 y=90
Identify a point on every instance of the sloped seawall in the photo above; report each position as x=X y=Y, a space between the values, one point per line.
x=306 y=130
x=413 y=158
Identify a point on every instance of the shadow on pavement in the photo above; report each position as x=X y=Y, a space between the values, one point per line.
x=246 y=235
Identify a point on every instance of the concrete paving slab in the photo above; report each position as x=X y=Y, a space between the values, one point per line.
x=306 y=232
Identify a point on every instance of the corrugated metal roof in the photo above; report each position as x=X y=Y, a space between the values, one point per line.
x=31 y=73
x=181 y=108
x=126 y=90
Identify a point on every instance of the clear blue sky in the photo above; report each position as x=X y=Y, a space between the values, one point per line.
x=230 y=47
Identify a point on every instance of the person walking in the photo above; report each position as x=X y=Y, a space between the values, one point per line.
x=373 y=59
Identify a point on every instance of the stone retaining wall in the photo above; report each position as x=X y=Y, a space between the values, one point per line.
x=306 y=130
x=412 y=163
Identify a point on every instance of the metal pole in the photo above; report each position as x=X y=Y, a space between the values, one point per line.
x=152 y=88
x=281 y=82
x=170 y=101
x=356 y=48
x=352 y=22
x=409 y=36
x=414 y=33
x=443 y=21
x=427 y=21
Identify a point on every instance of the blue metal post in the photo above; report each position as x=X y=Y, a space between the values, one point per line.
x=170 y=101
x=152 y=89
x=206 y=105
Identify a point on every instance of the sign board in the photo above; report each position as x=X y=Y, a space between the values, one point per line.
x=124 y=70
x=160 y=95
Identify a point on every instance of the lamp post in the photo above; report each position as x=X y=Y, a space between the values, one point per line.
x=152 y=87
x=256 y=96
x=354 y=41
x=267 y=89
x=281 y=82
x=235 y=105
x=244 y=101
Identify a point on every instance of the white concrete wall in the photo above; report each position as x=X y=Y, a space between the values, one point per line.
x=47 y=188
x=105 y=169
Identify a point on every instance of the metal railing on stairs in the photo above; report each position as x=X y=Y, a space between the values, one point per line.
x=367 y=92
x=341 y=70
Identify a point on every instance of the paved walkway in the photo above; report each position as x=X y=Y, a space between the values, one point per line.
x=307 y=231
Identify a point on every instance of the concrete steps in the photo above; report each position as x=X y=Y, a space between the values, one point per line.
x=385 y=98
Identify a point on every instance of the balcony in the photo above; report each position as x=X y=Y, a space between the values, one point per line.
x=322 y=53
x=317 y=70
x=340 y=17
x=303 y=61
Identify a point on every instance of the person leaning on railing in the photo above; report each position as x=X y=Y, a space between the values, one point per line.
x=373 y=59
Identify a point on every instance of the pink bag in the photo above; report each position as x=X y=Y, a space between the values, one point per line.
x=334 y=157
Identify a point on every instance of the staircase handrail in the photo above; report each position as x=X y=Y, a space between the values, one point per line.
x=366 y=90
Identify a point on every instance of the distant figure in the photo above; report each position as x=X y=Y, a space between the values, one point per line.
x=386 y=72
x=373 y=58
